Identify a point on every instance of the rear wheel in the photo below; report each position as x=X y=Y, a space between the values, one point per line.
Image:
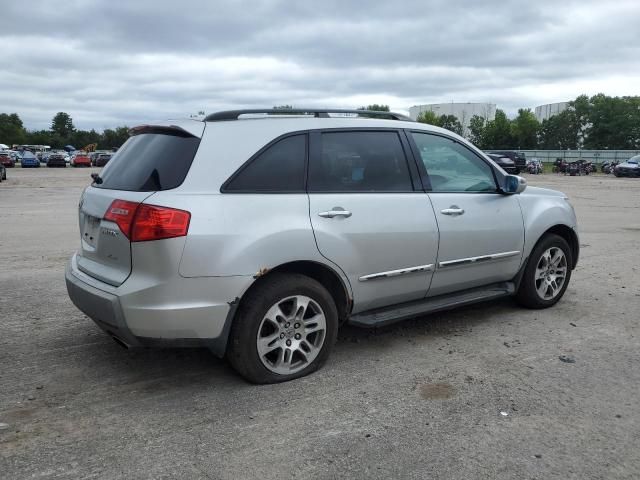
x=283 y=330
x=547 y=273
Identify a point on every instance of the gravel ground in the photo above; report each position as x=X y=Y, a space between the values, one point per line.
x=474 y=393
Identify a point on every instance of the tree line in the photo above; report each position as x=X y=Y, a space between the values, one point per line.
x=598 y=122
x=62 y=132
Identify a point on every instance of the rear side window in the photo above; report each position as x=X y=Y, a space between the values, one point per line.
x=279 y=168
x=149 y=162
x=360 y=161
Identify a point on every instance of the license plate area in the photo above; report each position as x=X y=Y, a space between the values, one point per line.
x=91 y=229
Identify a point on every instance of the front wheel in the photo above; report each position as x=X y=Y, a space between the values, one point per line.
x=284 y=329
x=547 y=273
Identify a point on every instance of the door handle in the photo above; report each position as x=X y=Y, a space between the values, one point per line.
x=335 y=212
x=453 y=210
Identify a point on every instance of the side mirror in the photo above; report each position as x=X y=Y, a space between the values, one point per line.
x=514 y=184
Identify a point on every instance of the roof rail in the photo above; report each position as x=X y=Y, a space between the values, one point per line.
x=316 y=112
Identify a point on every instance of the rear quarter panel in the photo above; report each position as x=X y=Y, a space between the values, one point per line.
x=243 y=234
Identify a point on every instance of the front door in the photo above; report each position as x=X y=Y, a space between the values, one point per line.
x=367 y=217
x=481 y=230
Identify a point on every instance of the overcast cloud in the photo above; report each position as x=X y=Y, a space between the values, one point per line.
x=111 y=63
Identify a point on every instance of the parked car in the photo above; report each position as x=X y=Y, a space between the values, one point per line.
x=102 y=159
x=80 y=159
x=518 y=158
x=630 y=168
x=57 y=160
x=29 y=160
x=506 y=163
x=311 y=221
x=7 y=160
x=3 y=172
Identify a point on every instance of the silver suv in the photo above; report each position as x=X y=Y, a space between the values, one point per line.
x=257 y=233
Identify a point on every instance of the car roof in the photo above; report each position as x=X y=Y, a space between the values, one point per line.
x=289 y=120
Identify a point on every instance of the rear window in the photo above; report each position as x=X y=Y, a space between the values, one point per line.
x=149 y=162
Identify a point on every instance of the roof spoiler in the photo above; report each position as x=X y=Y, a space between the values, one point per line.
x=180 y=127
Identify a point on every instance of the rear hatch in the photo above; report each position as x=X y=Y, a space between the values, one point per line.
x=154 y=158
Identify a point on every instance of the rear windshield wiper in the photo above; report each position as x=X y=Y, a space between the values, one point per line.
x=96 y=178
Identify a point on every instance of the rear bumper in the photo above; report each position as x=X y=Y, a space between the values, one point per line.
x=102 y=307
x=185 y=312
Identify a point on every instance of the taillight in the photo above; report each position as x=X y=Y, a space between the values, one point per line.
x=121 y=213
x=155 y=223
x=142 y=223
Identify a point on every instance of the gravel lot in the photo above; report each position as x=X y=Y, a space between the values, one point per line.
x=422 y=399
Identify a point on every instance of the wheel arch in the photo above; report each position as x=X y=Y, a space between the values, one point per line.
x=322 y=273
x=570 y=236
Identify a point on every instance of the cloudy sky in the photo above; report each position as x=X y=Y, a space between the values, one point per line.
x=110 y=63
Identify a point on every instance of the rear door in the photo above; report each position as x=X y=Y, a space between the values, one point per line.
x=153 y=159
x=367 y=216
x=481 y=230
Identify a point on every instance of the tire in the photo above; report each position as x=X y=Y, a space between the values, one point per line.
x=528 y=294
x=285 y=293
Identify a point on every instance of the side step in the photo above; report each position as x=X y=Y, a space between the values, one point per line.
x=395 y=313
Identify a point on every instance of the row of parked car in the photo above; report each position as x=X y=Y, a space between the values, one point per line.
x=515 y=162
x=78 y=158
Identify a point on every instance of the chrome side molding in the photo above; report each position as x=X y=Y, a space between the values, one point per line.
x=395 y=273
x=482 y=258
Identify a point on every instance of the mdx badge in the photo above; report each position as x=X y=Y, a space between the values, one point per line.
x=108 y=231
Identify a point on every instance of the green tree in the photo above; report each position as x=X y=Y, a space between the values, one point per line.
x=497 y=133
x=612 y=122
x=450 y=122
x=560 y=132
x=525 y=129
x=62 y=124
x=376 y=108
x=11 y=129
x=429 y=117
x=82 y=138
x=477 y=126
x=114 y=138
x=42 y=137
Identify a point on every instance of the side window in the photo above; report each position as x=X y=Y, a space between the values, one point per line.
x=280 y=168
x=360 y=162
x=451 y=167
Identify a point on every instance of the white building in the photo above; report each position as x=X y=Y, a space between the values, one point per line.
x=462 y=111
x=550 y=109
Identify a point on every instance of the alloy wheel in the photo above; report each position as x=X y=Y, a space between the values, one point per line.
x=291 y=334
x=551 y=272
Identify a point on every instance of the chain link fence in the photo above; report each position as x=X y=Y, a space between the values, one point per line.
x=595 y=156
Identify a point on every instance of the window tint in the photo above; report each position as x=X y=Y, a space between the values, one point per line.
x=280 y=168
x=451 y=167
x=360 y=162
x=149 y=162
